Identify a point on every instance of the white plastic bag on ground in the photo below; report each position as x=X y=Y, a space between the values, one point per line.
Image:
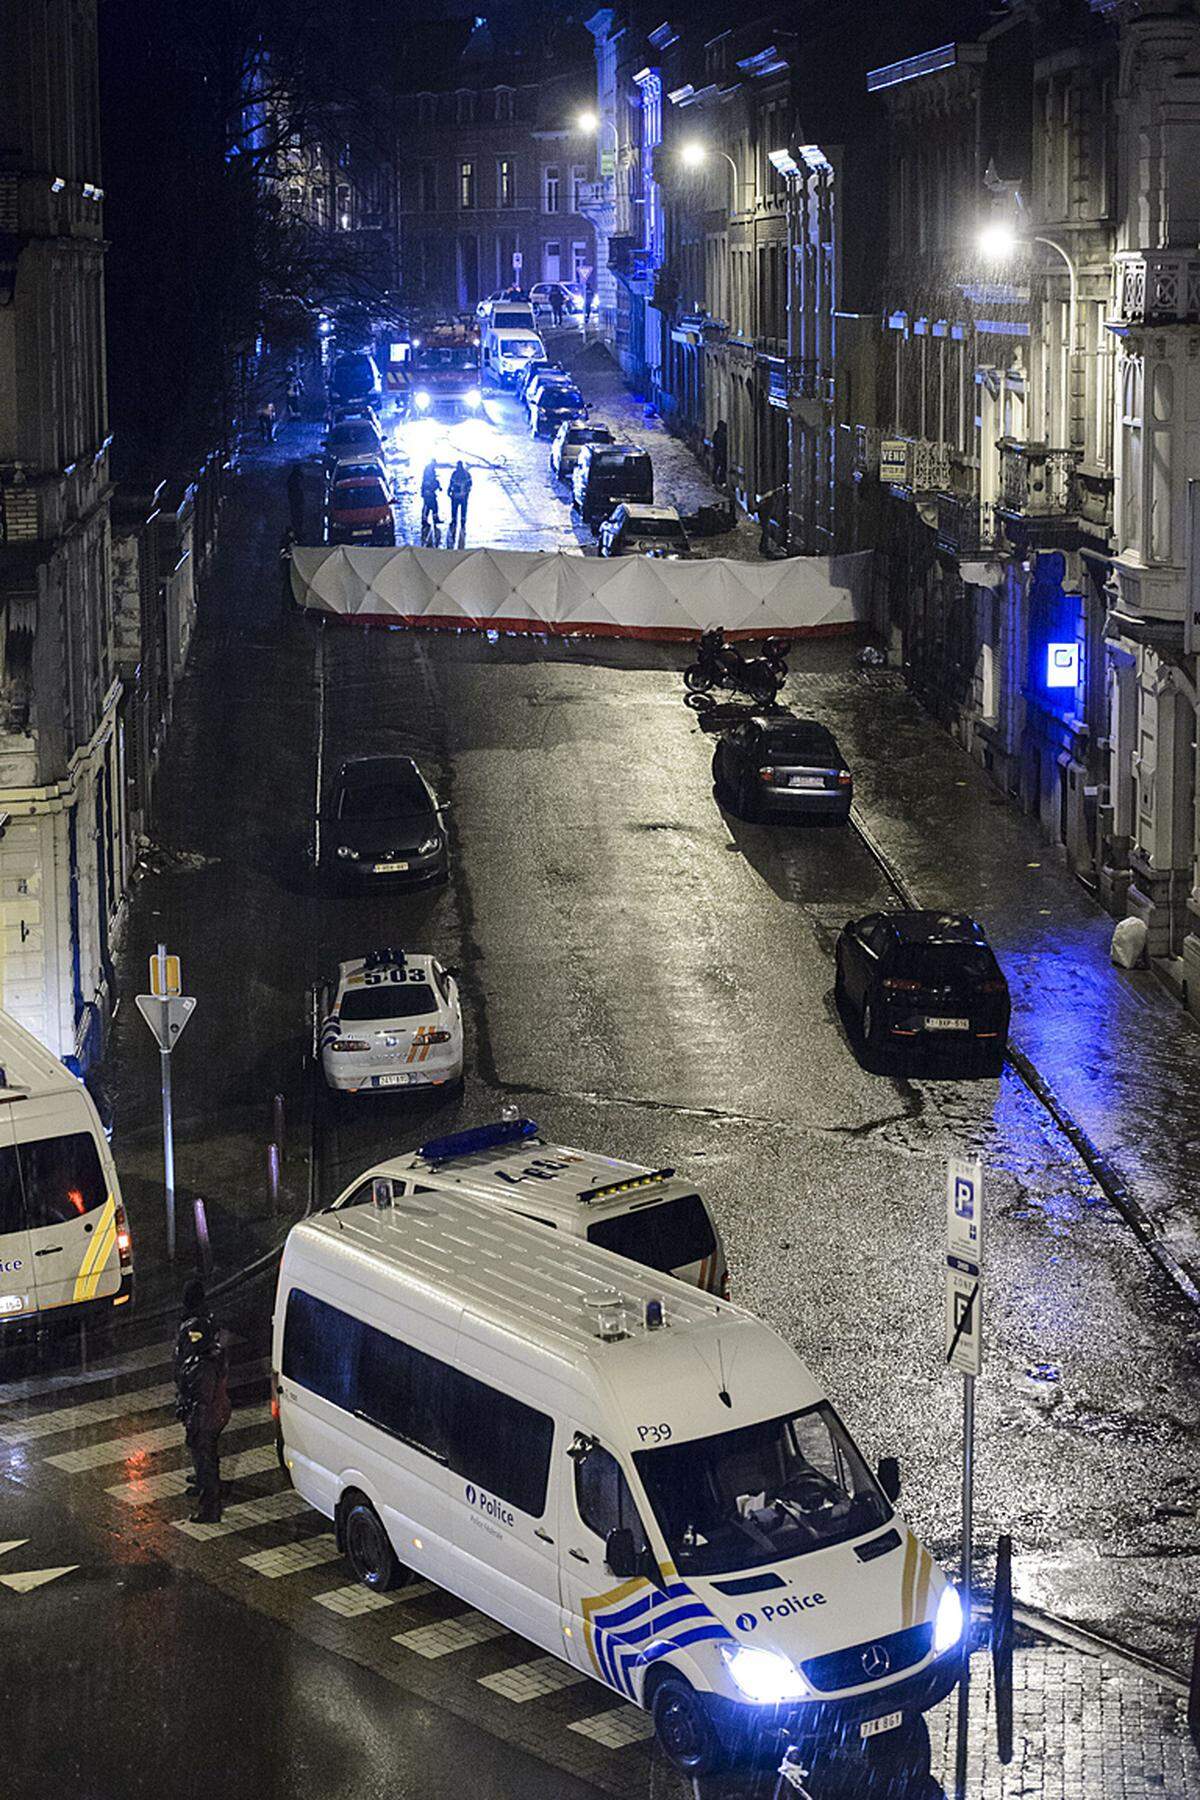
x=1128 y=948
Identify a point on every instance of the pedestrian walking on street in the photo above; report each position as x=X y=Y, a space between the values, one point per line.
x=266 y=421
x=295 y=394
x=720 y=454
x=202 y=1397
x=295 y=494
x=557 y=301
x=459 y=490
x=430 y=489
x=589 y=302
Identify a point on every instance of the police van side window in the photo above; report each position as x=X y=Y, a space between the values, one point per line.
x=320 y=1348
x=603 y=1498
x=12 y=1205
x=62 y=1178
x=403 y=1391
x=501 y=1444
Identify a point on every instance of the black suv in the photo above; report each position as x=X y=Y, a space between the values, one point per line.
x=923 y=978
x=788 y=767
x=384 y=821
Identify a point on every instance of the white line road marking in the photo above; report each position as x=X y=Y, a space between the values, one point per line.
x=32 y=1387
x=113 y=1406
x=450 y=1634
x=349 y=1602
x=163 y=1437
x=165 y=1487
x=35 y=1578
x=12 y=1544
x=622 y=1725
x=247 y=1512
x=289 y=1559
x=529 y=1681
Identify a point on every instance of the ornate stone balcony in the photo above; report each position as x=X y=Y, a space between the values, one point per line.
x=1158 y=287
x=965 y=527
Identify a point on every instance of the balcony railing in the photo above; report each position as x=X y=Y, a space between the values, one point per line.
x=866 y=450
x=1158 y=287
x=1037 y=481
x=916 y=463
x=596 y=196
x=965 y=527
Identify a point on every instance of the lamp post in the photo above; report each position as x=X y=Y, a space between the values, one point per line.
x=694 y=154
x=593 y=124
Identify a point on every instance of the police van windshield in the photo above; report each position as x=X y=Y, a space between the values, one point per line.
x=668 y=1236
x=762 y=1493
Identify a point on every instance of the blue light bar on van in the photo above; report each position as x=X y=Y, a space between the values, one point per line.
x=479 y=1137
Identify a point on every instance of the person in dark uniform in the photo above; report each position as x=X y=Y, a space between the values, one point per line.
x=202 y=1397
x=720 y=454
x=459 y=490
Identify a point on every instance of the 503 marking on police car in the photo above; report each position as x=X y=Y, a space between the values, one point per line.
x=654 y=1434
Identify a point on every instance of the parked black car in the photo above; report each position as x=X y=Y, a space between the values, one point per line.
x=775 y=763
x=923 y=978
x=607 y=473
x=384 y=822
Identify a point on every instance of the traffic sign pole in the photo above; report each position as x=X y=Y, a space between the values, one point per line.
x=164 y=1060
x=166 y=1011
x=964 y=1323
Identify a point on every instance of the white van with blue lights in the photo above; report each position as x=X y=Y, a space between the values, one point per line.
x=637 y=1477
x=650 y=1215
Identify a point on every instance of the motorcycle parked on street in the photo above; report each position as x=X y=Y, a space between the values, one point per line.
x=722 y=665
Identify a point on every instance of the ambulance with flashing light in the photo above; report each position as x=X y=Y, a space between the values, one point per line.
x=392 y=1019
x=65 y=1244
x=638 y=1478
x=652 y=1216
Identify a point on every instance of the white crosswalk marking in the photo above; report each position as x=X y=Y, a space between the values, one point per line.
x=162 y=1437
x=32 y=1387
x=450 y=1634
x=88 y=1412
x=165 y=1487
x=529 y=1681
x=290 y=1559
x=247 y=1512
x=352 y=1601
x=35 y=1578
x=614 y=1729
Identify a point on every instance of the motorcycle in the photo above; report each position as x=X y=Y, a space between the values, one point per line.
x=722 y=665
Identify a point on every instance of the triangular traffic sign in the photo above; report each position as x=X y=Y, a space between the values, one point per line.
x=166 y=1018
x=35 y=1578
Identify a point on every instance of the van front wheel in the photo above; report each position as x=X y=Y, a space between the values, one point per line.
x=368 y=1548
x=684 y=1728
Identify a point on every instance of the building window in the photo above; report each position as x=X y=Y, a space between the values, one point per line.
x=504 y=105
x=578 y=181
x=580 y=260
x=464 y=109
x=466 y=186
x=504 y=182
x=427 y=187
x=550 y=187
x=552 y=261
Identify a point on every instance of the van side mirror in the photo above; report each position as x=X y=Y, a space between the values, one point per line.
x=888 y=1474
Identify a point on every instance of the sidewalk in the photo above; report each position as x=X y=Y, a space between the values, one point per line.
x=1120 y=1056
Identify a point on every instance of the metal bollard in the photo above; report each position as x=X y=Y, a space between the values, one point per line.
x=1002 y=1649
x=1194 y=1691
x=273 y=1176
x=200 y=1214
x=277 y=1124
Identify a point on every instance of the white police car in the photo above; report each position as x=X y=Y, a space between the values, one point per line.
x=391 y=1020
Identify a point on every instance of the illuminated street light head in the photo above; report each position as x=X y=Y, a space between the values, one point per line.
x=692 y=154
x=997 y=241
x=587 y=121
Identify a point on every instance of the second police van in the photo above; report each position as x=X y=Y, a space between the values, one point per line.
x=651 y=1216
x=641 y=1479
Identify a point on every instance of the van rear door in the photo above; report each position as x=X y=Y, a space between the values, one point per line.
x=17 y=1286
x=70 y=1203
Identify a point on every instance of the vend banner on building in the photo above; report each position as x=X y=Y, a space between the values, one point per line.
x=563 y=595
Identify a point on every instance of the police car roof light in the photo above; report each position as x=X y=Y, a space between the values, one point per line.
x=384 y=959
x=650 y=1179
x=479 y=1137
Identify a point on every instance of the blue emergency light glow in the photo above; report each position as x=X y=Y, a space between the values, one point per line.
x=479 y=1137
x=1062 y=665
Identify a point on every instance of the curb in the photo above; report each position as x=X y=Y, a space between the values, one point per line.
x=1110 y=1183
x=1089 y=1643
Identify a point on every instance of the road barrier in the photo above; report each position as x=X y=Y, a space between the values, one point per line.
x=561 y=595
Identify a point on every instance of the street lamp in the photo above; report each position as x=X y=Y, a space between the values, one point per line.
x=998 y=241
x=693 y=155
x=590 y=122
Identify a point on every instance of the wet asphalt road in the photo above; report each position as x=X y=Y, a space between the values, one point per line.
x=649 y=976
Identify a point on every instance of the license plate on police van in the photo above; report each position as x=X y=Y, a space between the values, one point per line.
x=806 y=781
x=947 y=1024
x=873 y=1727
x=391 y=1080
x=390 y=868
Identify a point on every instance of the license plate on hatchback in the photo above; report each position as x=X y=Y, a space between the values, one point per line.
x=391 y=1081
x=390 y=868
x=874 y=1727
x=947 y=1024
x=806 y=781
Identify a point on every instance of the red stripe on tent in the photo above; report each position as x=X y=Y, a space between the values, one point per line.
x=661 y=634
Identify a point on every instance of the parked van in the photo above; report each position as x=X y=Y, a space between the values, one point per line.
x=65 y=1246
x=640 y=1479
x=651 y=1216
x=508 y=350
x=608 y=473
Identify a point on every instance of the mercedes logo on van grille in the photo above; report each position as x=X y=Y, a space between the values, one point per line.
x=875 y=1661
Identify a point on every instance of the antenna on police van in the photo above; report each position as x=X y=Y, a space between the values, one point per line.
x=722 y=1391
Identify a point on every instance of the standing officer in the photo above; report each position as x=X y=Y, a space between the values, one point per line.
x=202 y=1397
x=459 y=490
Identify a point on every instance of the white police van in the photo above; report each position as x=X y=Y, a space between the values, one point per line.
x=65 y=1245
x=641 y=1479
x=649 y=1215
